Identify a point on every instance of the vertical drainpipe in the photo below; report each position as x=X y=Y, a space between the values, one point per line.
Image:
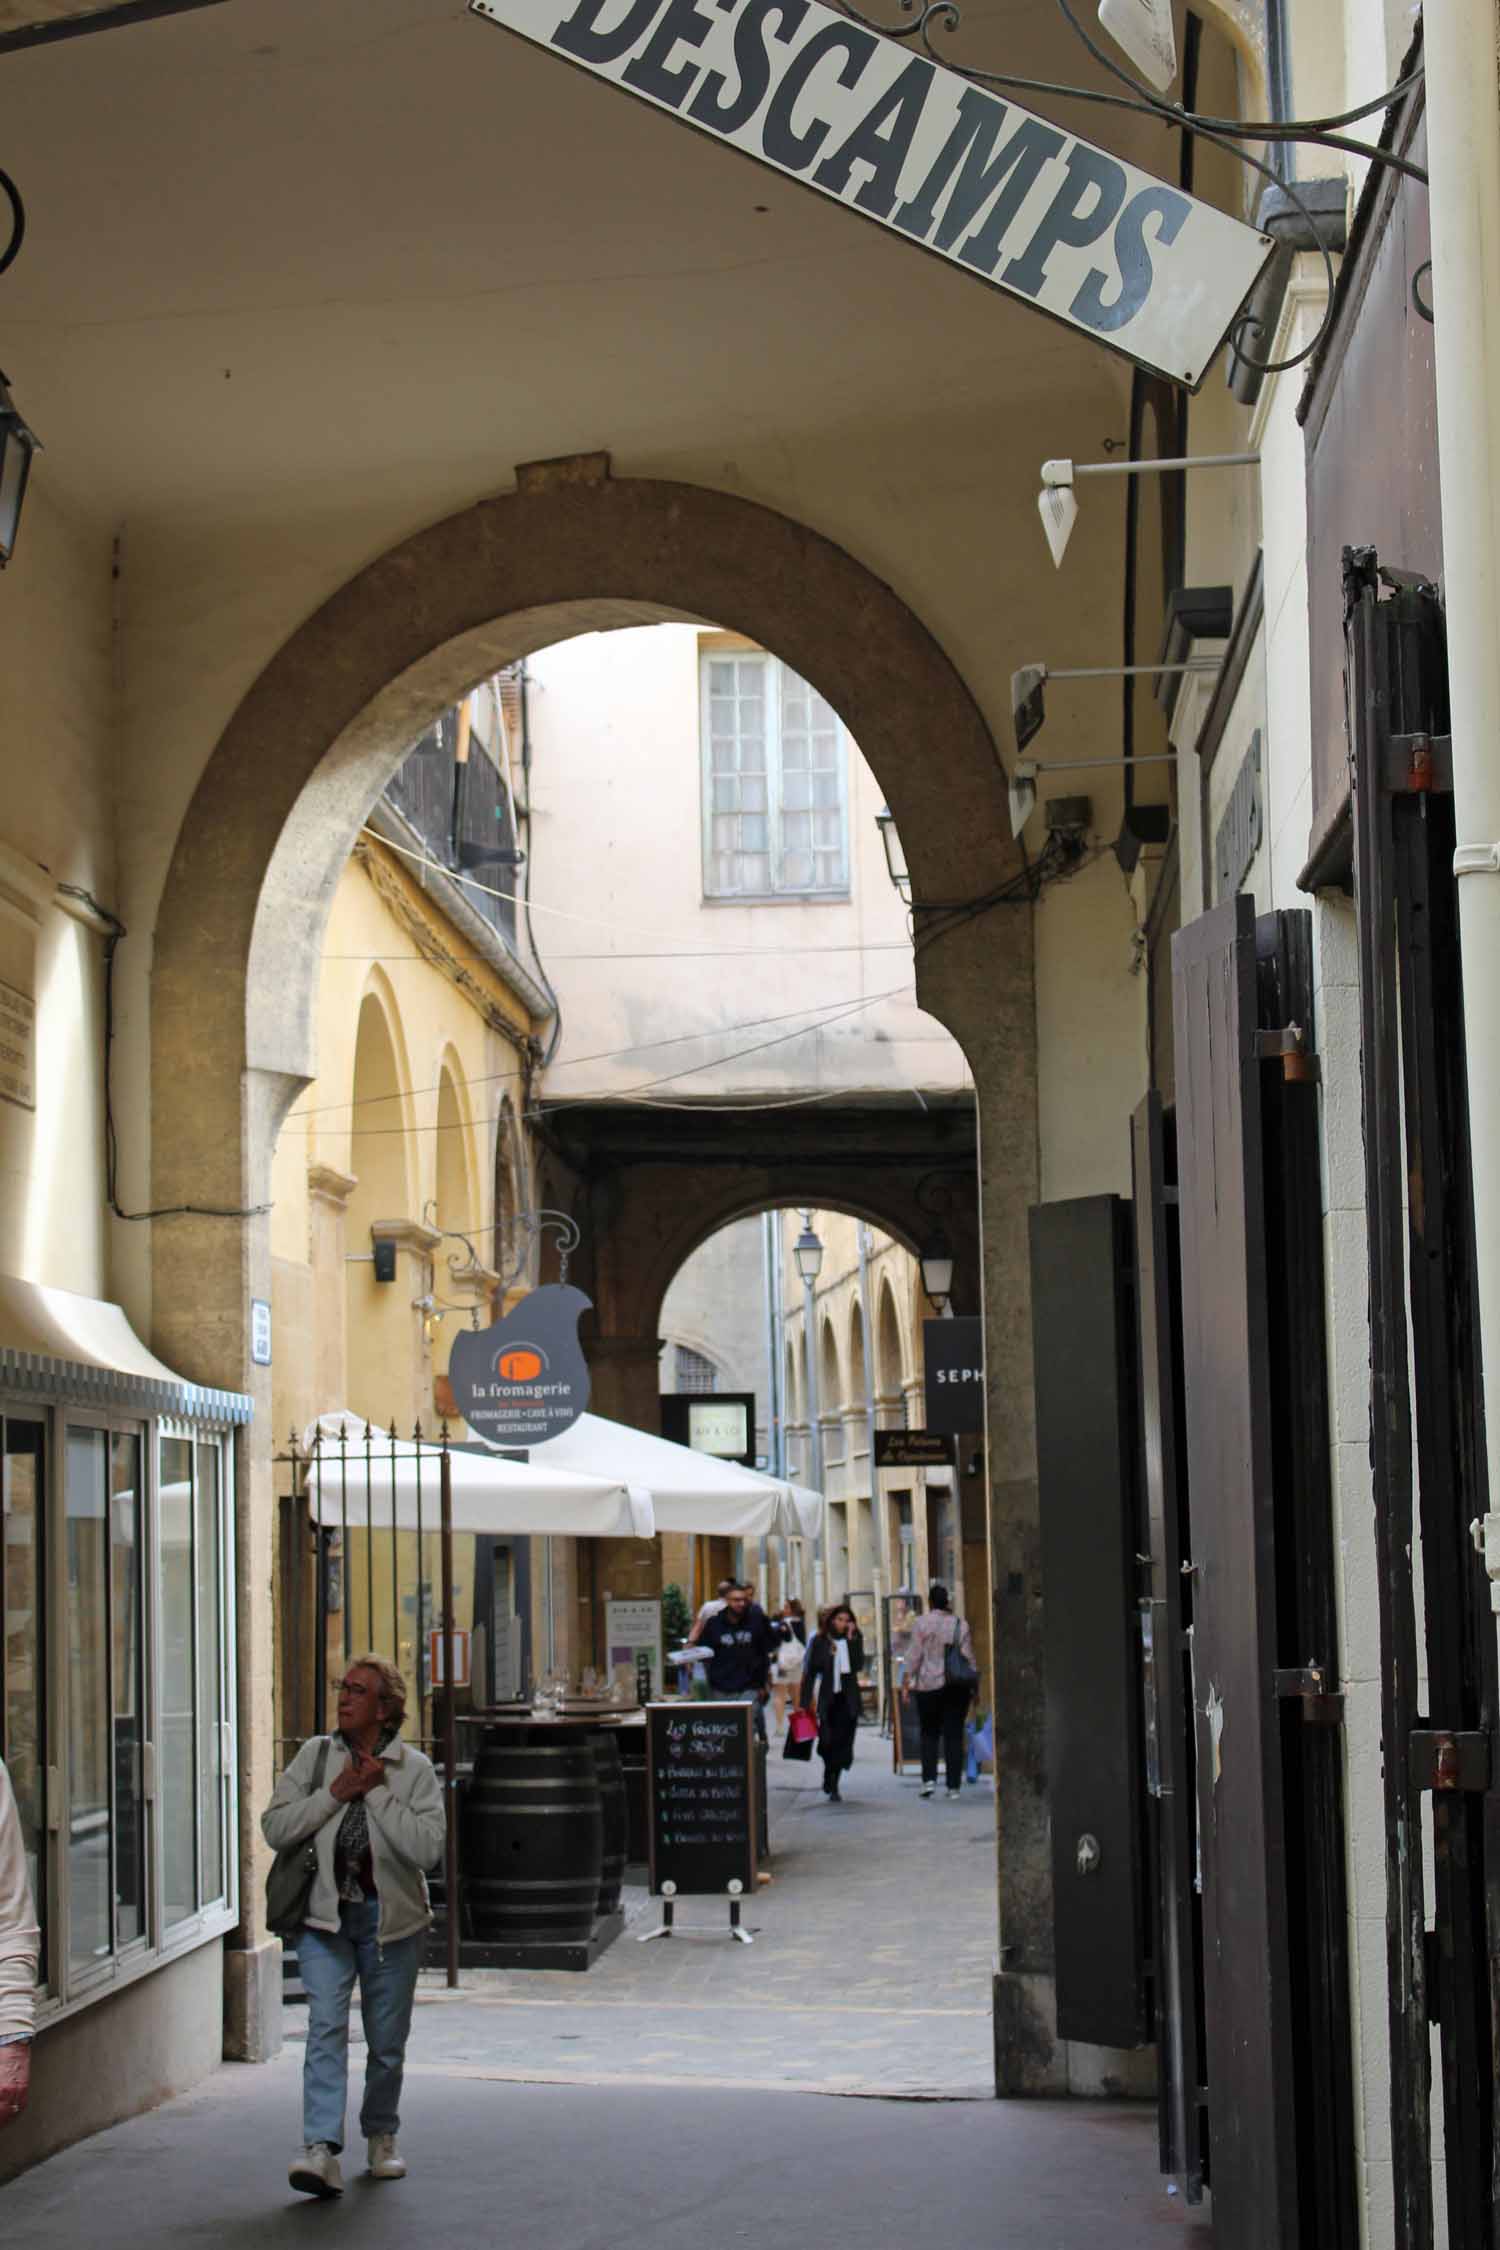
x=773 y=1380
x=877 y=1511
x=1464 y=159
x=815 y=1428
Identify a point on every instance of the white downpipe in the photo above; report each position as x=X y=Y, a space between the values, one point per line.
x=1463 y=135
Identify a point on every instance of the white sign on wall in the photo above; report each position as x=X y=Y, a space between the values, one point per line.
x=1002 y=194
x=632 y=1633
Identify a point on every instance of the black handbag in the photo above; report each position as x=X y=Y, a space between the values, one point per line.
x=294 y=1870
x=957 y=1670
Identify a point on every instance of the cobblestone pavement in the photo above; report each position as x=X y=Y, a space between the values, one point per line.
x=666 y=2099
x=870 y=1970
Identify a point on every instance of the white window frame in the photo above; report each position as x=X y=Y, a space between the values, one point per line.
x=780 y=892
x=68 y=1988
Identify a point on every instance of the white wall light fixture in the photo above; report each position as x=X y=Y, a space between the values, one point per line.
x=1144 y=29
x=1057 y=502
x=1028 y=705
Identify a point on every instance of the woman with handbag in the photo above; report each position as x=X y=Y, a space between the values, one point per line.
x=355 y=1822
x=941 y=1673
x=830 y=1684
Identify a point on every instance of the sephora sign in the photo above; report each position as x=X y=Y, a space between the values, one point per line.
x=1026 y=206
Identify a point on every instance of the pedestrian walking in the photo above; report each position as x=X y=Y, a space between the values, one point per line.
x=743 y=1641
x=20 y=1948
x=830 y=1686
x=940 y=1646
x=373 y=1809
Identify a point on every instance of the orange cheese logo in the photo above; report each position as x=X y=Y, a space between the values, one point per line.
x=521 y=1364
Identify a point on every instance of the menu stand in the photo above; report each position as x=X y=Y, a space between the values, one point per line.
x=668 y=1903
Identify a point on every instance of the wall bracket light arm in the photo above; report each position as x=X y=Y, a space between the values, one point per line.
x=1057 y=503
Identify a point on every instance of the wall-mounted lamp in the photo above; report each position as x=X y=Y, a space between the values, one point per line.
x=1144 y=29
x=18 y=445
x=808 y=1251
x=385 y=1258
x=1028 y=706
x=1057 y=503
x=895 y=858
x=937 y=1270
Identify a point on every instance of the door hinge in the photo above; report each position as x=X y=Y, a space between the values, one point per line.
x=1418 y=765
x=1311 y=1686
x=1441 y=1759
x=1299 y=1065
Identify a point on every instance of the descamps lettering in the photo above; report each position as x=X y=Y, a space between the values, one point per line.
x=972 y=199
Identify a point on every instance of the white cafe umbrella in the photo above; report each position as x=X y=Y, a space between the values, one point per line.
x=491 y=1496
x=690 y=1491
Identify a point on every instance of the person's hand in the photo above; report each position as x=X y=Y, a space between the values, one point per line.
x=15 y=2080
x=357 y=1779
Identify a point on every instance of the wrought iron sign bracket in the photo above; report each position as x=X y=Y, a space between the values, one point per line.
x=1444 y=1760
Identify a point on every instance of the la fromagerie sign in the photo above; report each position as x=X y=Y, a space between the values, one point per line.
x=1046 y=217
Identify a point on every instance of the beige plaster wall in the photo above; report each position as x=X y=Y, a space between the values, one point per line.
x=58 y=739
x=656 y=978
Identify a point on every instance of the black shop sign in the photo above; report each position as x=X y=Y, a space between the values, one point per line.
x=523 y=1379
x=953 y=1356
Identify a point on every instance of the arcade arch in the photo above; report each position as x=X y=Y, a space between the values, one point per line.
x=282 y=798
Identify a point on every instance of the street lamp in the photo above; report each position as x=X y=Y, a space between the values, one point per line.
x=895 y=858
x=937 y=1271
x=17 y=445
x=808 y=1251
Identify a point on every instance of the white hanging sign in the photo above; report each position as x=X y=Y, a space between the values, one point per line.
x=1004 y=195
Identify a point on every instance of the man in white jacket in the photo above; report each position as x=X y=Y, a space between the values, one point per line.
x=20 y=1948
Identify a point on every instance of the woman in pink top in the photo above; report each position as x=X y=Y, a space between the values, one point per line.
x=942 y=1706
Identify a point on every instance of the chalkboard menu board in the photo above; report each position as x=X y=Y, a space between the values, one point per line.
x=701 y=1767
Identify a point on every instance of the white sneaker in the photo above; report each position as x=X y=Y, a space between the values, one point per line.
x=953 y=1795
x=928 y=1787
x=316 y=2171
x=385 y=2161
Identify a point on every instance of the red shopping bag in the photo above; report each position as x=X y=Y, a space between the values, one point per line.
x=801 y=1734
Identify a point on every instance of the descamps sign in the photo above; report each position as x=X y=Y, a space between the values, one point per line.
x=1046 y=217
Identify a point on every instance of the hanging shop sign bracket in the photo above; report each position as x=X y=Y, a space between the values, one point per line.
x=1019 y=203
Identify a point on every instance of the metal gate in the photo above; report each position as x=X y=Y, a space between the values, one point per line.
x=1264 y=1665
x=1425 y=1408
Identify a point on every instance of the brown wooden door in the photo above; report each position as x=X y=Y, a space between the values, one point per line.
x=1227 y=1389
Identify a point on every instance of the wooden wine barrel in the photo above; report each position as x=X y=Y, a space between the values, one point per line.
x=612 y=1804
x=532 y=1837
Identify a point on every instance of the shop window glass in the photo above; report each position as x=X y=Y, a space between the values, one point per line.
x=178 y=1763
x=86 y=1629
x=127 y=1684
x=22 y=1706
x=210 y=1577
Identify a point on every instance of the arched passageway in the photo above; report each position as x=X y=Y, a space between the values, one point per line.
x=272 y=822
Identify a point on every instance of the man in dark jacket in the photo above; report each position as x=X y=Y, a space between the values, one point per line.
x=742 y=1639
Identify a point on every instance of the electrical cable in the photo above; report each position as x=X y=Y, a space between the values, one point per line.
x=12 y=194
x=718 y=1062
x=114 y=931
x=606 y=1054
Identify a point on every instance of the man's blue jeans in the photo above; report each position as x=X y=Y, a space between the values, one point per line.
x=387 y=1981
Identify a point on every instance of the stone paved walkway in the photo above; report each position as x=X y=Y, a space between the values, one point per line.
x=675 y=2096
x=870 y=1970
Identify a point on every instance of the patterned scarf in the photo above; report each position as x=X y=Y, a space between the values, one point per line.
x=351 y=1846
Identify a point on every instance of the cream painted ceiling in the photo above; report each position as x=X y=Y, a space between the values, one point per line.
x=281 y=248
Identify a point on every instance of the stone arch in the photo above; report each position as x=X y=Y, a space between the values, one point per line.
x=378 y=1130
x=856 y=1355
x=316 y=738
x=455 y=1170
x=890 y=1348
x=831 y=1378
